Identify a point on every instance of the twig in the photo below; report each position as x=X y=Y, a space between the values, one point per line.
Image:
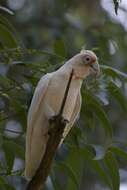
x=57 y=126
x=65 y=95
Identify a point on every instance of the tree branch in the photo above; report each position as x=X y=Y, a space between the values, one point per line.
x=57 y=126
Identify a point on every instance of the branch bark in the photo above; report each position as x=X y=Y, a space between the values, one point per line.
x=57 y=125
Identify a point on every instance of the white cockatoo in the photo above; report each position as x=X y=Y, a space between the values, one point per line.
x=47 y=101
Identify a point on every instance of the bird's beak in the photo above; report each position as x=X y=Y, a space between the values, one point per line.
x=95 y=68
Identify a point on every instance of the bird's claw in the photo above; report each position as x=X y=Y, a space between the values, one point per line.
x=55 y=117
x=64 y=121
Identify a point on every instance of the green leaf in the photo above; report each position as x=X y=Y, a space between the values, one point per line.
x=41 y=52
x=71 y=174
x=21 y=110
x=1 y=166
x=3 y=180
x=6 y=37
x=119 y=152
x=75 y=162
x=4 y=185
x=5 y=83
x=17 y=149
x=9 y=187
x=94 y=105
x=114 y=73
x=100 y=171
x=55 y=183
x=100 y=113
x=6 y=10
x=95 y=165
x=113 y=170
x=12 y=150
x=59 y=48
x=6 y=23
x=116 y=92
x=9 y=155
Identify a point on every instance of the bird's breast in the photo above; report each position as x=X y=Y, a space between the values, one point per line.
x=55 y=96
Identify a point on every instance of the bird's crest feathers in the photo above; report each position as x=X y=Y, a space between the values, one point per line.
x=83 y=51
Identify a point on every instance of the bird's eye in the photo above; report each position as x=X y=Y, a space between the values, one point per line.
x=87 y=58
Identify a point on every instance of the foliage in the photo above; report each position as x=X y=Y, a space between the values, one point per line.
x=92 y=150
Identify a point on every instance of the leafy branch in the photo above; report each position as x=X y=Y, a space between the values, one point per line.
x=18 y=51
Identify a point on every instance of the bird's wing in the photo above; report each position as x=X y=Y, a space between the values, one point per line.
x=73 y=117
x=38 y=96
x=35 y=139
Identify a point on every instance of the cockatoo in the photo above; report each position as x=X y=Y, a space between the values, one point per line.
x=47 y=101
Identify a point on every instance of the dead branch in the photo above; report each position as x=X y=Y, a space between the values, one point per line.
x=57 y=125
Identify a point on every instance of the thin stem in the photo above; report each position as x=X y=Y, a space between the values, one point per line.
x=66 y=93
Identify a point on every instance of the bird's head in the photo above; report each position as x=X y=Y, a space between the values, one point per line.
x=85 y=63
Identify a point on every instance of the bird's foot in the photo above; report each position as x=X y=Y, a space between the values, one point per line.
x=64 y=121
x=58 y=118
x=53 y=118
x=58 y=122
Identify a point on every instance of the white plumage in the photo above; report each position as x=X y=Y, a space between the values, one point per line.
x=47 y=101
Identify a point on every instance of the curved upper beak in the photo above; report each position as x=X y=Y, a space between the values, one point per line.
x=96 y=68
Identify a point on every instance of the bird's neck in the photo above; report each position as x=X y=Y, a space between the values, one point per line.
x=65 y=72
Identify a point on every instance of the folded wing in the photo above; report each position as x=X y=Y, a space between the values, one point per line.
x=36 y=137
